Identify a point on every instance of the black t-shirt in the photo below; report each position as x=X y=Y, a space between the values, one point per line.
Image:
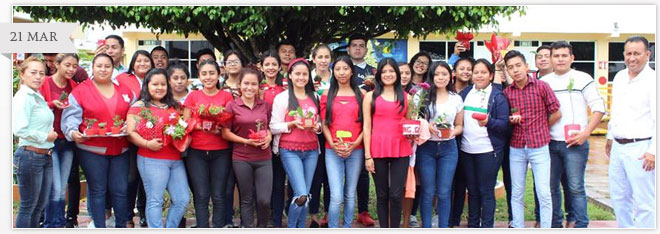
x=362 y=73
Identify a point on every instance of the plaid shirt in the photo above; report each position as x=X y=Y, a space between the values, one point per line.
x=535 y=102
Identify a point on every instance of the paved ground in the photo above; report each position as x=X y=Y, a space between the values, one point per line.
x=596 y=181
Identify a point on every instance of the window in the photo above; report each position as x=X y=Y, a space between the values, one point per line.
x=616 y=61
x=442 y=50
x=186 y=52
x=585 y=56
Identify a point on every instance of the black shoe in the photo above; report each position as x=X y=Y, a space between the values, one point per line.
x=71 y=222
x=313 y=224
x=143 y=222
x=182 y=223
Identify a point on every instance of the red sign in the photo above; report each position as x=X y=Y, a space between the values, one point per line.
x=602 y=80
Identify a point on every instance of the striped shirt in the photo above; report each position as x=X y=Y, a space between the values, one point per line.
x=535 y=102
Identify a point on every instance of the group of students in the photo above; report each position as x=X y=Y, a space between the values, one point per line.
x=317 y=125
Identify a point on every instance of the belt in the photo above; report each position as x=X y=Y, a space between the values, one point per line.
x=626 y=141
x=38 y=150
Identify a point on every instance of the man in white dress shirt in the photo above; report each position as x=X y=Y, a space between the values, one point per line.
x=631 y=138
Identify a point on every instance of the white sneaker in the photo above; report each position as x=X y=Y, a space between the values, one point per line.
x=91 y=225
x=434 y=221
x=413 y=221
x=110 y=223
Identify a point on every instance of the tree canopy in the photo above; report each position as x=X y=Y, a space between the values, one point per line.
x=252 y=29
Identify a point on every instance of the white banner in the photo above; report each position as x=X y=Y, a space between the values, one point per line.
x=37 y=38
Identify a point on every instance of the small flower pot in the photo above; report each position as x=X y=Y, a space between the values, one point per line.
x=115 y=130
x=479 y=116
x=102 y=131
x=91 y=132
x=570 y=130
x=207 y=125
x=444 y=133
x=308 y=122
x=411 y=127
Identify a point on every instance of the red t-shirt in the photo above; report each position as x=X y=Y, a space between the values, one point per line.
x=270 y=92
x=203 y=140
x=244 y=119
x=345 y=112
x=131 y=82
x=167 y=152
x=298 y=139
x=55 y=93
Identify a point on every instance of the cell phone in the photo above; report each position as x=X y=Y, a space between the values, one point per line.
x=100 y=43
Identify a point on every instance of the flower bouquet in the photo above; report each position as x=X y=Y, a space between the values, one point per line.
x=219 y=114
x=497 y=47
x=148 y=126
x=443 y=126
x=464 y=38
x=411 y=125
x=260 y=134
x=307 y=117
x=176 y=131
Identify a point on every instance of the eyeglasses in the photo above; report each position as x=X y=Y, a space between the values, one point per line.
x=233 y=62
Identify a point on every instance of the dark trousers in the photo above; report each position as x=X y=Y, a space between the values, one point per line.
x=257 y=175
x=277 y=195
x=229 y=196
x=208 y=173
x=319 y=181
x=135 y=186
x=390 y=180
x=458 y=196
x=73 y=187
x=506 y=176
x=481 y=176
x=363 y=191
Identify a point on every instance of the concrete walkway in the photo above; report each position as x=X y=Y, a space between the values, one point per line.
x=596 y=180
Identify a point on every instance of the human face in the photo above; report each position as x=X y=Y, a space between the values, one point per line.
x=142 y=65
x=388 y=75
x=406 y=75
x=67 y=68
x=561 y=60
x=233 y=65
x=463 y=71
x=441 y=77
x=34 y=74
x=421 y=65
x=270 y=67
x=204 y=57
x=481 y=76
x=102 y=69
x=517 y=69
x=357 y=49
x=286 y=53
x=249 y=86
x=322 y=59
x=208 y=75
x=342 y=72
x=635 y=55
x=115 y=50
x=542 y=60
x=160 y=59
x=179 y=81
x=50 y=62
x=299 y=76
x=157 y=87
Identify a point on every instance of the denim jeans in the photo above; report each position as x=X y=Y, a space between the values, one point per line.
x=299 y=166
x=573 y=162
x=34 y=172
x=62 y=158
x=436 y=164
x=277 y=195
x=343 y=174
x=208 y=173
x=319 y=182
x=539 y=158
x=158 y=175
x=481 y=176
x=106 y=173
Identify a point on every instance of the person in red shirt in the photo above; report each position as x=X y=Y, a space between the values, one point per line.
x=56 y=90
x=209 y=156
x=340 y=111
x=295 y=137
x=251 y=153
x=387 y=151
x=160 y=165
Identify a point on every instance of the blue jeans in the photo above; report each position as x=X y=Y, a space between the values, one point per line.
x=103 y=173
x=62 y=158
x=34 y=172
x=436 y=163
x=572 y=161
x=299 y=166
x=540 y=160
x=158 y=175
x=481 y=176
x=343 y=174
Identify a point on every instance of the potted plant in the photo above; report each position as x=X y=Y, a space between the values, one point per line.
x=102 y=130
x=411 y=125
x=260 y=134
x=443 y=126
x=369 y=81
x=340 y=136
x=147 y=125
x=203 y=113
x=481 y=114
x=117 y=122
x=89 y=129
x=572 y=128
x=64 y=98
x=307 y=118
x=515 y=113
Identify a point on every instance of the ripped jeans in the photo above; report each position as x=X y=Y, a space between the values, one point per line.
x=299 y=167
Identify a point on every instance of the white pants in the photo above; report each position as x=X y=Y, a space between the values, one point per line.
x=632 y=189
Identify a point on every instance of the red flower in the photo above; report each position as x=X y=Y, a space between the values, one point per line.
x=464 y=38
x=495 y=45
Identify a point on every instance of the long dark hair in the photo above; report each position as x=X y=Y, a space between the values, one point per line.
x=144 y=93
x=334 y=88
x=398 y=90
x=309 y=88
x=131 y=70
x=429 y=111
x=271 y=53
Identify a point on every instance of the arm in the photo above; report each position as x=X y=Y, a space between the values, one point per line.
x=554 y=118
x=458 y=124
x=551 y=103
x=277 y=124
x=366 y=131
x=500 y=121
x=71 y=120
x=22 y=109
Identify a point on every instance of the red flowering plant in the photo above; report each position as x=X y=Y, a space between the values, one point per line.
x=148 y=126
x=464 y=38
x=176 y=131
x=89 y=127
x=260 y=134
x=64 y=98
x=497 y=47
x=219 y=114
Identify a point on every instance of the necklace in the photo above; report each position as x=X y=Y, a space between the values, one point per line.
x=161 y=106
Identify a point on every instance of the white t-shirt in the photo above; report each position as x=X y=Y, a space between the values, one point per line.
x=475 y=138
x=450 y=108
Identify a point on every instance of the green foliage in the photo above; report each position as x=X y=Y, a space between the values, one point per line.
x=16 y=80
x=252 y=29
